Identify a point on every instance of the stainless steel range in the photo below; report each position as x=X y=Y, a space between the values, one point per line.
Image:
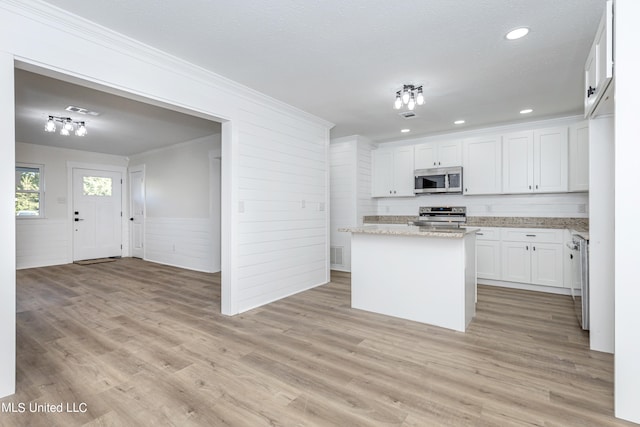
x=442 y=216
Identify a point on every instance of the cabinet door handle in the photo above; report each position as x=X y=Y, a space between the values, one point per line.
x=466 y=189
x=438 y=163
x=390 y=192
x=480 y=234
x=534 y=248
x=591 y=91
x=531 y=235
x=536 y=186
x=434 y=163
x=527 y=247
x=529 y=187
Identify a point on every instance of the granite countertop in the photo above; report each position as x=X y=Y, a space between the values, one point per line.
x=577 y=224
x=410 y=230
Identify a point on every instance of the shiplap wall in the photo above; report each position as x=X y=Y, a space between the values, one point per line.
x=282 y=207
x=350 y=193
x=366 y=205
x=343 y=154
x=256 y=268
x=42 y=242
x=181 y=242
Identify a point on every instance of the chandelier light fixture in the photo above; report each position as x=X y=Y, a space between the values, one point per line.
x=68 y=126
x=410 y=96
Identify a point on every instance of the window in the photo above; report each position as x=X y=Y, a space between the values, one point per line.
x=29 y=191
x=96 y=186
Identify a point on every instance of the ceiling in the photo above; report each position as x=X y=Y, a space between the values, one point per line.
x=344 y=60
x=123 y=126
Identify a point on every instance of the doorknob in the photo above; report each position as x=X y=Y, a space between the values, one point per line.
x=78 y=219
x=130 y=219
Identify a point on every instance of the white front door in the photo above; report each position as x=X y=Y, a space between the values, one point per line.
x=136 y=192
x=97 y=214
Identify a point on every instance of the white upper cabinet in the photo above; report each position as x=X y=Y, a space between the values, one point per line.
x=426 y=155
x=517 y=162
x=438 y=154
x=579 y=157
x=551 y=160
x=598 y=69
x=393 y=172
x=482 y=165
x=536 y=161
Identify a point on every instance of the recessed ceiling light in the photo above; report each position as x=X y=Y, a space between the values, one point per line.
x=458 y=122
x=517 y=33
x=405 y=130
x=526 y=111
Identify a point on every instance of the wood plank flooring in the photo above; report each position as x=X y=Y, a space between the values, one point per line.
x=145 y=344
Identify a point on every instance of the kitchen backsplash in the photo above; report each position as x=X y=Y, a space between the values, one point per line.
x=565 y=205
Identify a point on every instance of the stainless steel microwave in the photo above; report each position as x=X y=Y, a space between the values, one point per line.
x=438 y=180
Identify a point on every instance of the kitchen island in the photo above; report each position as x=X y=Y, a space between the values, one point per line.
x=415 y=273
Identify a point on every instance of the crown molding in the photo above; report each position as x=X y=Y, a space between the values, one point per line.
x=63 y=20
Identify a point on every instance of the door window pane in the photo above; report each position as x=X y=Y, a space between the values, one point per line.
x=97 y=186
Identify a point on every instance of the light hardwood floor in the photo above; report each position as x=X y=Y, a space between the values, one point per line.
x=144 y=344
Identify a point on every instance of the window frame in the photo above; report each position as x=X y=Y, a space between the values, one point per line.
x=40 y=192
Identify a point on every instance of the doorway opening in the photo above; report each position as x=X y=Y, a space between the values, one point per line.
x=145 y=141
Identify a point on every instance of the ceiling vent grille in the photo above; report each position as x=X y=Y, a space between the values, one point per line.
x=407 y=115
x=81 y=110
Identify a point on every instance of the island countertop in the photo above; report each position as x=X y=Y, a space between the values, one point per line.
x=410 y=230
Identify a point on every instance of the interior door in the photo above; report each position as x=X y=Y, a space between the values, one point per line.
x=136 y=221
x=97 y=214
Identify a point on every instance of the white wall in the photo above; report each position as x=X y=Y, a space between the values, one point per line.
x=180 y=216
x=273 y=155
x=601 y=234
x=7 y=229
x=283 y=208
x=365 y=204
x=537 y=205
x=343 y=198
x=627 y=152
x=350 y=191
x=47 y=241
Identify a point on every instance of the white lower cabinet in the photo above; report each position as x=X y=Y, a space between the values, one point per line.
x=488 y=253
x=547 y=264
x=534 y=256
x=516 y=262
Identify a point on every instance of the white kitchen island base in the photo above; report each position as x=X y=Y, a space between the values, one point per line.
x=421 y=277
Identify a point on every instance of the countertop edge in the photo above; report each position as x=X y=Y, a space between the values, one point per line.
x=408 y=231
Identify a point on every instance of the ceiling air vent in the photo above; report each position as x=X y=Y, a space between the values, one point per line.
x=81 y=110
x=407 y=114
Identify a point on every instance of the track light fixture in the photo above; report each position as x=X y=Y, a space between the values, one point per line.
x=410 y=96
x=68 y=126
